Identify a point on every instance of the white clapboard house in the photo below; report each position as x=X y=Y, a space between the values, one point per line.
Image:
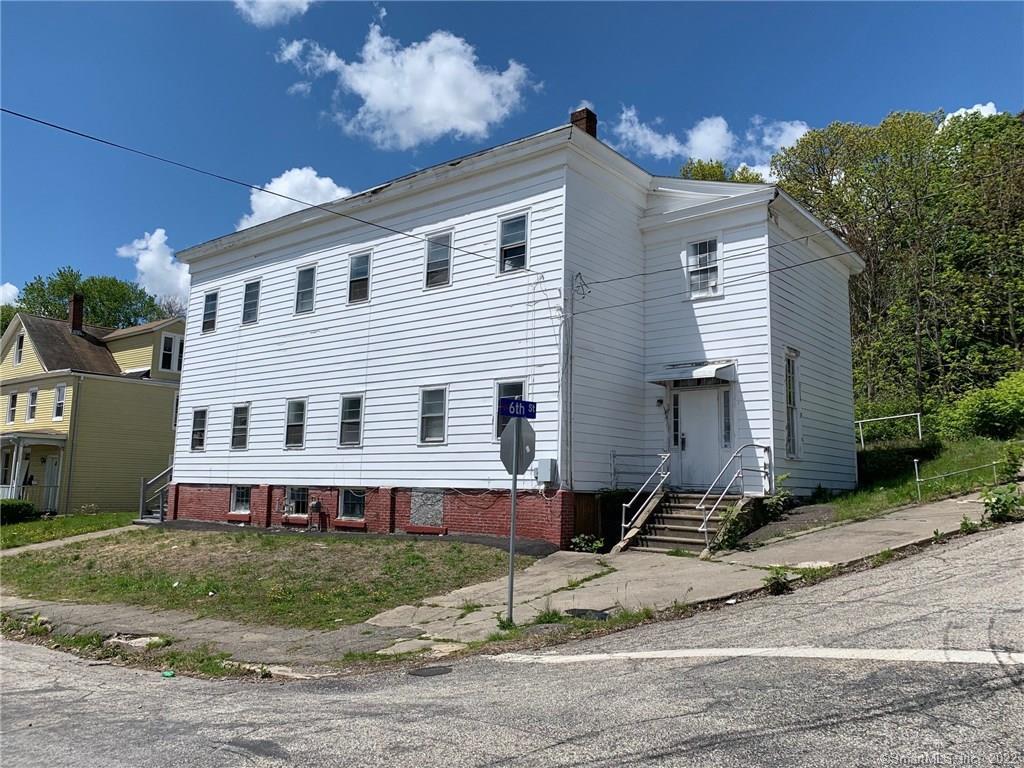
x=345 y=361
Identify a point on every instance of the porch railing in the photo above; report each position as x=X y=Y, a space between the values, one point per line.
x=632 y=509
x=765 y=470
x=43 y=497
x=154 y=490
x=630 y=469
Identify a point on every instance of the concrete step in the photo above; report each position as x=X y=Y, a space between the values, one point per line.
x=684 y=518
x=672 y=541
x=695 y=549
x=684 y=531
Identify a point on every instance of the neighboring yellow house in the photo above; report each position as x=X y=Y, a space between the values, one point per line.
x=87 y=411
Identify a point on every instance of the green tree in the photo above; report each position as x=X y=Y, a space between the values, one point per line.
x=716 y=170
x=109 y=301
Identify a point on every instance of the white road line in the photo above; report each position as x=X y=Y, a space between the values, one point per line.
x=926 y=655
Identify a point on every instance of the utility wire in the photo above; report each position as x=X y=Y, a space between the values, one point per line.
x=240 y=183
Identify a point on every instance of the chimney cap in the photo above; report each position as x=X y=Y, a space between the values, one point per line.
x=585 y=119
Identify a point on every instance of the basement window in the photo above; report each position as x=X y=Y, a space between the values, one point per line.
x=296 y=501
x=512 y=246
x=353 y=503
x=210 y=312
x=240 y=498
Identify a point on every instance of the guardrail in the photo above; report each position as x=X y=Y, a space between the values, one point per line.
x=861 y=422
x=661 y=475
x=918 y=479
x=767 y=472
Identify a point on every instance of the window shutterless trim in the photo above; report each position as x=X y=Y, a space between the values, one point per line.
x=258 y=282
x=295 y=303
x=792 y=356
x=192 y=430
x=419 y=421
x=19 y=349
x=216 y=307
x=703 y=237
x=305 y=419
x=177 y=344
x=526 y=242
x=359 y=493
x=231 y=435
x=341 y=418
x=32 y=405
x=495 y=435
x=426 y=258
x=61 y=401
x=234 y=500
x=369 y=274
x=11 y=414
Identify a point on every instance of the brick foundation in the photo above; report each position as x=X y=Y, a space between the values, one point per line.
x=545 y=517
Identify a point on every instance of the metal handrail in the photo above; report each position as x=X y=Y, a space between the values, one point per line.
x=145 y=486
x=768 y=472
x=658 y=471
x=861 y=422
x=918 y=479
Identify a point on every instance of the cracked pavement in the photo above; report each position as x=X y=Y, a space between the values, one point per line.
x=58 y=710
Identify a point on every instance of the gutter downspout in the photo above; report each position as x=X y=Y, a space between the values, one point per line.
x=72 y=440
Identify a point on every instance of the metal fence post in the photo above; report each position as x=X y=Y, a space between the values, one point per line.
x=995 y=477
x=917 y=480
x=920 y=435
x=142 y=497
x=860 y=427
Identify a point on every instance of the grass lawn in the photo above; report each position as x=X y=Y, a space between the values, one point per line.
x=34 y=531
x=294 y=580
x=899 y=489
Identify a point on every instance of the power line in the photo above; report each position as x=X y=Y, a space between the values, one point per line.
x=212 y=174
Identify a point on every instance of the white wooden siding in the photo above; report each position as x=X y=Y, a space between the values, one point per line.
x=810 y=312
x=480 y=328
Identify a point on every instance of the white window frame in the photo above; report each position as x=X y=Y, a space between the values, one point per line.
x=19 y=348
x=295 y=301
x=718 y=291
x=369 y=276
x=231 y=433
x=526 y=241
x=12 y=408
x=792 y=441
x=288 y=492
x=192 y=429
x=495 y=437
x=32 y=405
x=7 y=466
x=216 y=309
x=360 y=492
x=234 y=500
x=60 y=395
x=305 y=423
x=341 y=418
x=419 y=419
x=177 y=344
x=450 y=232
x=174 y=412
x=259 y=298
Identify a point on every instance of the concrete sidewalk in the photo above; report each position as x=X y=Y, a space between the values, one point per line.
x=564 y=580
x=12 y=551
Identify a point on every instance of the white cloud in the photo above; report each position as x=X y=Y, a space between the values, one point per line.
x=710 y=138
x=985 y=110
x=414 y=94
x=301 y=88
x=299 y=183
x=155 y=266
x=269 y=13
x=9 y=293
x=585 y=104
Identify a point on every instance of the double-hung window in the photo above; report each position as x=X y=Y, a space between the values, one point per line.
x=297 y=500
x=512 y=244
x=359 y=277
x=12 y=407
x=702 y=268
x=251 y=303
x=19 y=349
x=516 y=389
x=172 y=346
x=792 y=404
x=432 y=415
x=59 y=396
x=198 y=429
x=210 y=312
x=353 y=504
x=295 y=424
x=240 y=427
x=241 y=496
x=439 y=260
x=305 y=290
x=33 y=401
x=351 y=420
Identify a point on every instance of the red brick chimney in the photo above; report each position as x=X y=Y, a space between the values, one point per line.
x=585 y=120
x=76 y=308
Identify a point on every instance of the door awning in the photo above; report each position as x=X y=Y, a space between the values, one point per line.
x=694 y=373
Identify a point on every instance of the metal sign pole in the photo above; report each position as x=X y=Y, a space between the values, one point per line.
x=512 y=519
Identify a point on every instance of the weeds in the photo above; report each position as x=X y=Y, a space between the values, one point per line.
x=882 y=558
x=777 y=581
x=969 y=526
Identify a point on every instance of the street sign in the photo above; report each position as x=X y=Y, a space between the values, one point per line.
x=527 y=442
x=517 y=409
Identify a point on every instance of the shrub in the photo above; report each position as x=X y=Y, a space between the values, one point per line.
x=585 y=542
x=1003 y=503
x=996 y=412
x=1013 y=459
x=777 y=503
x=882 y=462
x=17 y=510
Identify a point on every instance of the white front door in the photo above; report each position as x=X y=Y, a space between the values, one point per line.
x=693 y=437
x=50 y=479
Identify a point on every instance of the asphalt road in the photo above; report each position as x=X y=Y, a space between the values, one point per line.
x=774 y=709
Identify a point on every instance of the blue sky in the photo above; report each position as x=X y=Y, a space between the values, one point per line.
x=331 y=97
